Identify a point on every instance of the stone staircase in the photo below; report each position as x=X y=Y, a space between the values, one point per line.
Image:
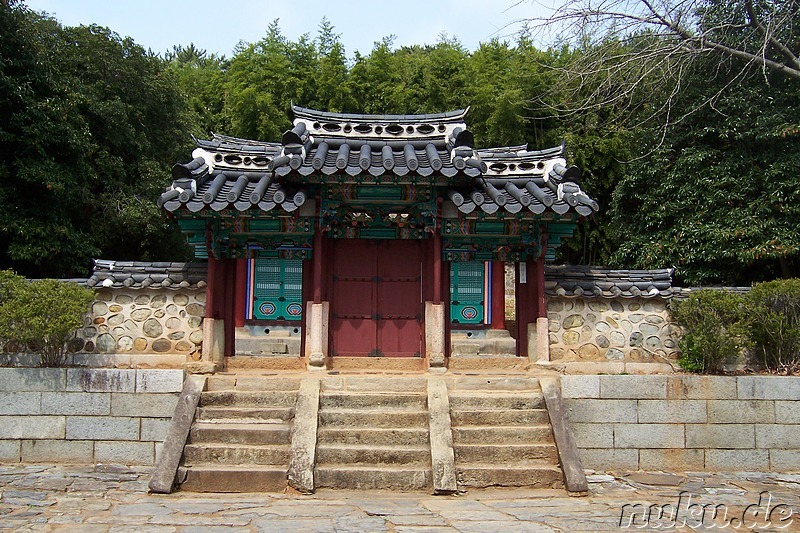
x=373 y=439
x=240 y=439
x=502 y=434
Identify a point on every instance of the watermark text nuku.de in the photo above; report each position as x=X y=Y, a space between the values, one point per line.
x=687 y=511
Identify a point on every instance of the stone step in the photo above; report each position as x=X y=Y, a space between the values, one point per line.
x=488 y=417
x=204 y=432
x=249 y=414
x=236 y=454
x=249 y=399
x=502 y=401
x=250 y=382
x=488 y=384
x=358 y=453
x=240 y=478
x=375 y=419
x=268 y=346
x=523 y=475
x=373 y=400
x=502 y=434
x=373 y=436
x=373 y=477
x=505 y=453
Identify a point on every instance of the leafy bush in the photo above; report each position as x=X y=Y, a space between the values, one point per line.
x=714 y=329
x=774 y=329
x=43 y=315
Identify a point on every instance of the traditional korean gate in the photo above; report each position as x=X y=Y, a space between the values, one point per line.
x=376 y=306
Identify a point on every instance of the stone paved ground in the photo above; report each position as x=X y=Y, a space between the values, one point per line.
x=86 y=499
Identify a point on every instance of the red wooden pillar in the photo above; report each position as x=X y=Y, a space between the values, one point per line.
x=318 y=262
x=498 y=288
x=211 y=286
x=240 y=296
x=437 y=268
x=228 y=311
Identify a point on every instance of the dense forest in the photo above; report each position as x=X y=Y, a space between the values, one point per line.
x=700 y=172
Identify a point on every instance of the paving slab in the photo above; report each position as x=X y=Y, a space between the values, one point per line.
x=115 y=498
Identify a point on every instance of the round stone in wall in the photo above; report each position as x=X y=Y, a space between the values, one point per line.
x=183 y=346
x=142 y=299
x=89 y=347
x=588 y=351
x=617 y=338
x=556 y=305
x=598 y=306
x=104 y=296
x=173 y=309
x=616 y=306
x=173 y=323
x=652 y=307
x=182 y=314
x=634 y=306
x=653 y=342
x=626 y=325
x=140 y=344
x=649 y=329
x=636 y=318
x=140 y=314
x=106 y=343
x=158 y=301
x=99 y=320
x=159 y=313
x=114 y=308
x=130 y=326
x=614 y=353
x=196 y=309
x=118 y=331
x=655 y=319
x=568 y=305
x=152 y=328
x=180 y=299
x=196 y=336
x=99 y=308
x=602 y=341
x=123 y=299
x=176 y=335
x=636 y=339
x=553 y=338
x=612 y=322
x=125 y=344
x=115 y=320
x=195 y=321
x=591 y=317
x=573 y=321
x=162 y=345
x=556 y=353
x=571 y=337
x=89 y=332
x=602 y=327
x=553 y=326
x=669 y=343
x=200 y=296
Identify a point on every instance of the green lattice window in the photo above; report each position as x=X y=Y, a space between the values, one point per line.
x=277 y=289
x=467 y=292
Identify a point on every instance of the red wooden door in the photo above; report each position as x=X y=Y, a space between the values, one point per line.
x=376 y=308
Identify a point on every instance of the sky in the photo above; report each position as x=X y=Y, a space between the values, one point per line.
x=218 y=26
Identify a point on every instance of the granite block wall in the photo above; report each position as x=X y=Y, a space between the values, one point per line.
x=685 y=422
x=85 y=416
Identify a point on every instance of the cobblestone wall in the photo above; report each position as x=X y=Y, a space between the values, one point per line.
x=85 y=416
x=685 y=423
x=594 y=329
x=144 y=321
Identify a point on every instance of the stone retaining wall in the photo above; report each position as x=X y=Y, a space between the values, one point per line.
x=145 y=321
x=85 y=416
x=594 y=329
x=685 y=422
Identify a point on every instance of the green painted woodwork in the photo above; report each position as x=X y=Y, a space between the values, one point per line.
x=277 y=289
x=467 y=292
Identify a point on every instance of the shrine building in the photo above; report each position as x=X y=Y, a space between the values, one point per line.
x=373 y=236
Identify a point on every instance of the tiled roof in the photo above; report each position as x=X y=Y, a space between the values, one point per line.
x=141 y=275
x=586 y=281
x=232 y=172
x=516 y=179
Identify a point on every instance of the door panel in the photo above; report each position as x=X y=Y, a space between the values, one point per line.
x=376 y=308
